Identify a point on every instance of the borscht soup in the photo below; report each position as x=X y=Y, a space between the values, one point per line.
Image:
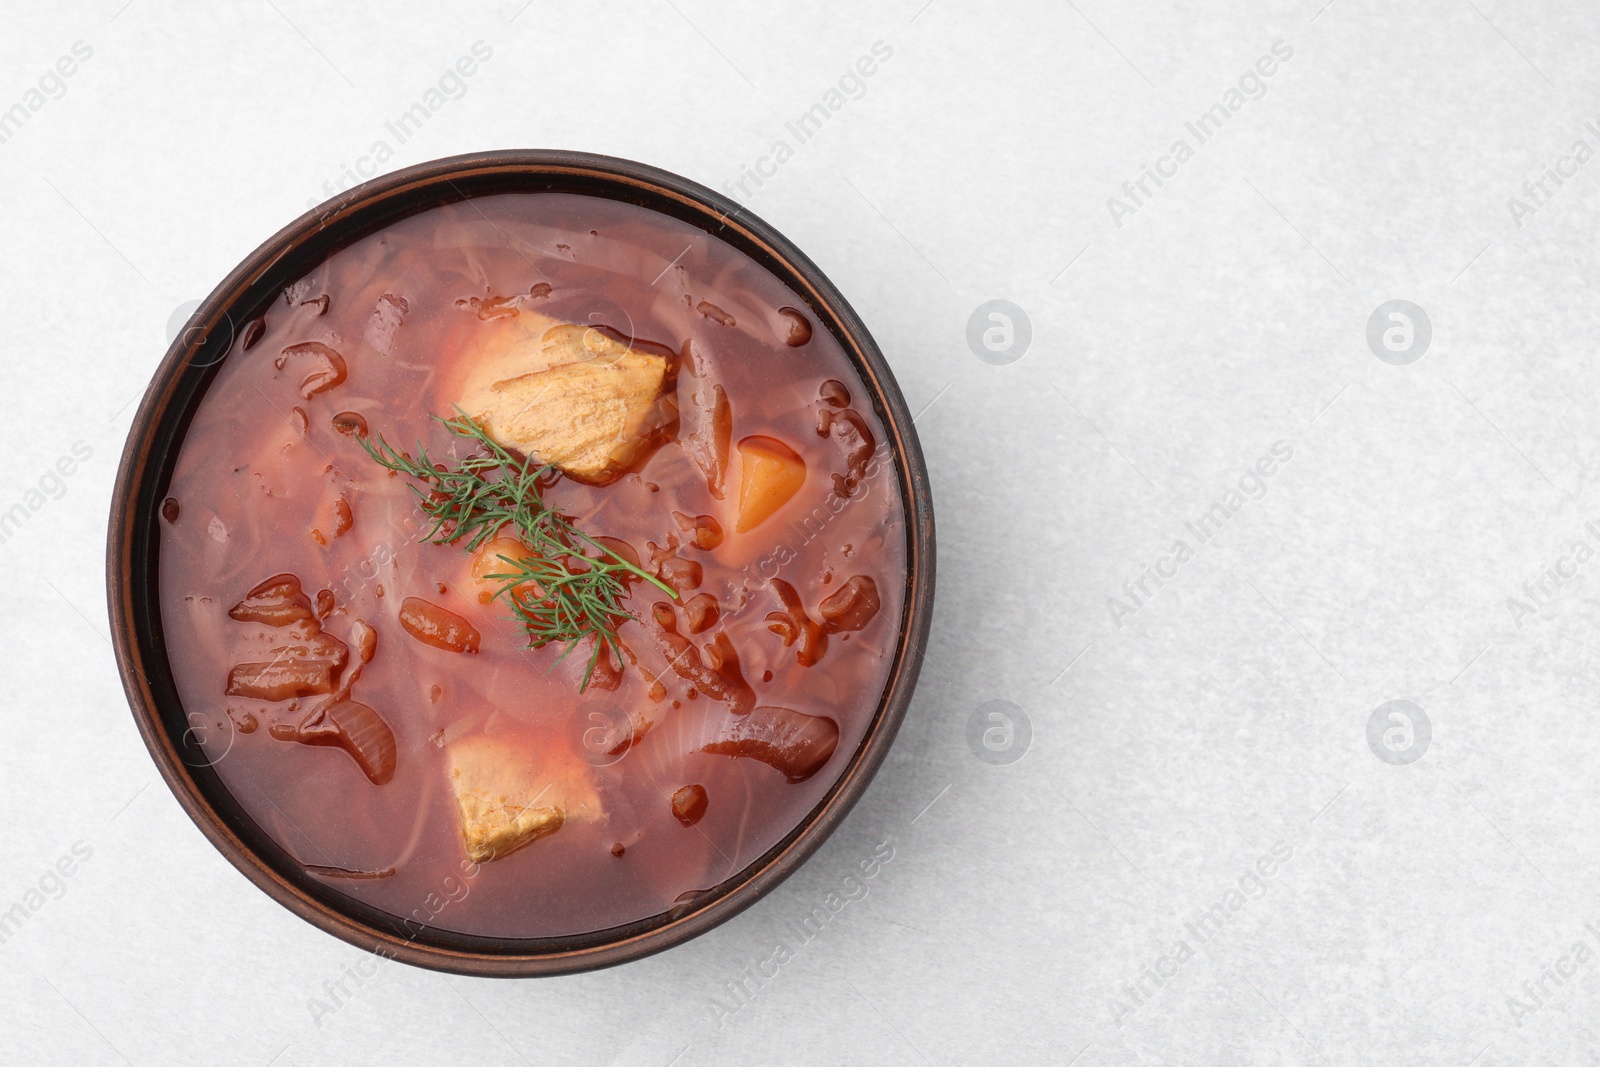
x=532 y=566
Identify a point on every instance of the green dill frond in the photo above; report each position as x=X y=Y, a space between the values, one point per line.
x=570 y=588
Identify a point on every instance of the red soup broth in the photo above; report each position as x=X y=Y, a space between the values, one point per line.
x=272 y=484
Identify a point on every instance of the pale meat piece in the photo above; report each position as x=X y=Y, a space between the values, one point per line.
x=511 y=790
x=578 y=397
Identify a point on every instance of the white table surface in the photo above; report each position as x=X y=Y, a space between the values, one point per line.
x=1172 y=747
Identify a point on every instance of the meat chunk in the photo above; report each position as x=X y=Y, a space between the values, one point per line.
x=582 y=398
x=510 y=791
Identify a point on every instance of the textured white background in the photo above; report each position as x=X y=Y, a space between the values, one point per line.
x=1226 y=716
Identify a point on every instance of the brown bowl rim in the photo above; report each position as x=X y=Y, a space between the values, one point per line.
x=154 y=437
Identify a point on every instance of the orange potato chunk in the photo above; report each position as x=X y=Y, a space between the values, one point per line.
x=491 y=559
x=771 y=474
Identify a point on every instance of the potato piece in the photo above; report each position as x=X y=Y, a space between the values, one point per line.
x=511 y=791
x=771 y=473
x=579 y=397
x=491 y=558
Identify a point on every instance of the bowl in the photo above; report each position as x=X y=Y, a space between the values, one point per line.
x=157 y=433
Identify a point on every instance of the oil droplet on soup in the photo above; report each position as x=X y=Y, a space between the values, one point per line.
x=392 y=729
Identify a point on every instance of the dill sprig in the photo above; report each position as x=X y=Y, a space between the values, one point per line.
x=560 y=592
